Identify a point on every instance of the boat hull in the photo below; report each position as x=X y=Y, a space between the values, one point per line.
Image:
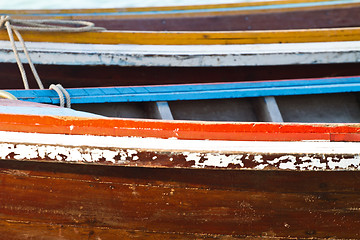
x=75 y=201
x=68 y=177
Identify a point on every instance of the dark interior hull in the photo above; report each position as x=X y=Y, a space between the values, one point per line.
x=100 y=76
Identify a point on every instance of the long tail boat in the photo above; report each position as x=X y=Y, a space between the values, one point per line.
x=142 y=56
x=74 y=175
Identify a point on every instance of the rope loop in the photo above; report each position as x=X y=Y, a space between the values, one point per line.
x=49 y=25
x=60 y=90
x=3 y=20
x=43 y=25
x=7 y=95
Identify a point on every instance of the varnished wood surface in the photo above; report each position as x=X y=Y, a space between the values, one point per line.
x=77 y=201
x=194 y=37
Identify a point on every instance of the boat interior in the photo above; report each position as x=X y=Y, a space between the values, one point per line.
x=325 y=108
x=319 y=108
x=328 y=108
x=105 y=76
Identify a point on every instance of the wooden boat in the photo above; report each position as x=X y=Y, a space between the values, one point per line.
x=331 y=100
x=70 y=177
x=258 y=15
x=114 y=58
x=114 y=65
x=74 y=175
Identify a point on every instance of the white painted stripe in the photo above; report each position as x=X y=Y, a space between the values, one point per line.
x=189 y=55
x=81 y=4
x=46 y=111
x=315 y=147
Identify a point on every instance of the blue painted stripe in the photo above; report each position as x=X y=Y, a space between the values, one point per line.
x=248 y=8
x=195 y=91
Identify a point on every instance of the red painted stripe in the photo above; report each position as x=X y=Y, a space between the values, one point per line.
x=345 y=137
x=180 y=129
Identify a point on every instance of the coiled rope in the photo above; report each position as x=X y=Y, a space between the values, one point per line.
x=44 y=25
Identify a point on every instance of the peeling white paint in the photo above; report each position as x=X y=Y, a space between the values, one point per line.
x=349 y=164
x=195 y=153
x=202 y=160
x=306 y=162
x=135 y=143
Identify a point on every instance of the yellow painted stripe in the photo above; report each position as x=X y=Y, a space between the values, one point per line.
x=196 y=38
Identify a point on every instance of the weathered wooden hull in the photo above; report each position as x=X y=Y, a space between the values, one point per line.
x=84 y=65
x=125 y=55
x=195 y=37
x=63 y=201
x=301 y=182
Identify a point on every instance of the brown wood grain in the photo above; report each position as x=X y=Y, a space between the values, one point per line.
x=318 y=18
x=176 y=203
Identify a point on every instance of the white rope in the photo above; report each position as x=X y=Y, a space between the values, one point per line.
x=66 y=94
x=61 y=92
x=18 y=61
x=32 y=67
x=52 y=25
x=7 y=95
x=46 y=25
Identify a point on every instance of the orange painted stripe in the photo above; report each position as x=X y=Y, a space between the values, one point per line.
x=345 y=137
x=180 y=129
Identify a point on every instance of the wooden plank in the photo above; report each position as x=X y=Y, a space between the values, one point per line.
x=195 y=38
x=161 y=110
x=187 y=56
x=177 y=129
x=99 y=202
x=177 y=153
x=268 y=110
x=341 y=15
x=195 y=91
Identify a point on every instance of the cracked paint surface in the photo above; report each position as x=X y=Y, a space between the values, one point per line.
x=177 y=158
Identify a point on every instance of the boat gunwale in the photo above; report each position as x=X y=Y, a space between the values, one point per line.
x=181 y=129
x=196 y=37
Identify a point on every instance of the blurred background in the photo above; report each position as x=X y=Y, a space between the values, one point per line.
x=55 y=4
